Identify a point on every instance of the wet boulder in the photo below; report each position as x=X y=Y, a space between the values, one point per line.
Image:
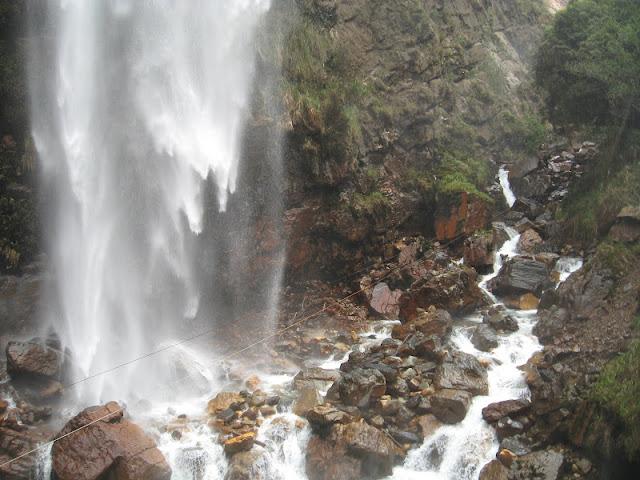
x=461 y=371
x=224 y=401
x=521 y=275
x=323 y=416
x=495 y=411
x=494 y=470
x=433 y=321
x=484 y=338
x=108 y=445
x=450 y=406
x=351 y=452
x=34 y=359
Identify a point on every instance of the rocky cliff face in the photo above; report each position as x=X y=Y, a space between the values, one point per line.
x=443 y=96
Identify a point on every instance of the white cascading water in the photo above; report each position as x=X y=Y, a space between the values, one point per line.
x=137 y=105
x=509 y=196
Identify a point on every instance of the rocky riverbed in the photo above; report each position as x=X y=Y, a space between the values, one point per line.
x=433 y=370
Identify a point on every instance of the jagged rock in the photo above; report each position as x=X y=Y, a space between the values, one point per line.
x=527 y=206
x=494 y=470
x=111 y=446
x=461 y=371
x=495 y=411
x=450 y=406
x=521 y=275
x=484 y=338
x=479 y=252
x=528 y=241
x=360 y=386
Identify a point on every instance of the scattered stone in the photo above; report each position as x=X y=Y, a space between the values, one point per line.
x=528 y=241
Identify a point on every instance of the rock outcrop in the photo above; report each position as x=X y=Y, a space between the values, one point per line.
x=108 y=445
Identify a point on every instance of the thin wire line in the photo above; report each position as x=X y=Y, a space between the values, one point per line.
x=220 y=359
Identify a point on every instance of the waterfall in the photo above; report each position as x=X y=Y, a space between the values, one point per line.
x=139 y=110
x=509 y=196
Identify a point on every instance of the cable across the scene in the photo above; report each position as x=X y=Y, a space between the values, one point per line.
x=218 y=360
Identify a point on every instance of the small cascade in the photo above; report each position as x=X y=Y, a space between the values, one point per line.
x=509 y=196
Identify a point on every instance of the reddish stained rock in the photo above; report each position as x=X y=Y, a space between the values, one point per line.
x=466 y=215
x=107 y=446
x=385 y=301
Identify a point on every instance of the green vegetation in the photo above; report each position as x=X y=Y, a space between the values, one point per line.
x=589 y=64
x=459 y=172
x=589 y=71
x=324 y=91
x=618 y=390
x=18 y=220
x=619 y=258
x=373 y=204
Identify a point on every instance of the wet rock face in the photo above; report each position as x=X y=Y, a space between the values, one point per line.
x=494 y=412
x=465 y=214
x=111 y=446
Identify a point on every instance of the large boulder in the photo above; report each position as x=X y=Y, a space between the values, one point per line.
x=542 y=465
x=479 y=252
x=34 y=358
x=459 y=214
x=494 y=470
x=522 y=275
x=484 y=338
x=434 y=321
x=461 y=371
x=107 y=445
x=360 y=386
x=627 y=226
x=450 y=406
x=251 y=465
x=308 y=398
x=352 y=451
